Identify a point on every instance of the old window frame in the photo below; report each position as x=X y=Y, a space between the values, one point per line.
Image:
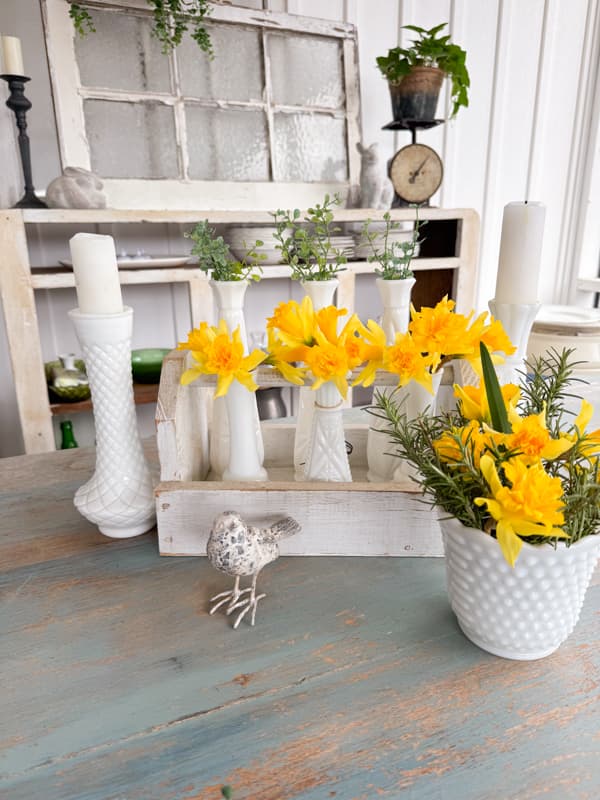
x=69 y=96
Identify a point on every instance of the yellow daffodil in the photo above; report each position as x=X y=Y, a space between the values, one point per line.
x=473 y=403
x=374 y=341
x=293 y=322
x=471 y=438
x=531 y=438
x=328 y=362
x=283 y=358
x=531 y=505
x=216 y=352
x=439 y=331
x=404 y=359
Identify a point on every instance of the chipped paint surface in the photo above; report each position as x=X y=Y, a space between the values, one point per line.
x=355 y=683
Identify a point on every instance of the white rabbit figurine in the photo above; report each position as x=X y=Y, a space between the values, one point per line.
x=376 y=189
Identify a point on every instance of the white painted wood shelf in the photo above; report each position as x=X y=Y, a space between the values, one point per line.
x=352 y=519
x=455 y=271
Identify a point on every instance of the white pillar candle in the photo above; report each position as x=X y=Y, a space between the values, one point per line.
x=520 y=257
x=96 y=274
x=12 y=56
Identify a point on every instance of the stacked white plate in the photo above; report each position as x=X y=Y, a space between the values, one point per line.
x=241 y=239
x=343 y=243
x=363 y=249
x=561 y=327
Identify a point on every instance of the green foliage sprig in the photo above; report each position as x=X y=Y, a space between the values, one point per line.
x=82 y=20
x=394 y=258
x=454 y=483
x=171 y=19
x=305 y=244
x=215 y=258
x=430 y=50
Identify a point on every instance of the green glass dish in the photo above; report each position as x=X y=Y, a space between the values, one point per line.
x=146 y=364
x=66 y=394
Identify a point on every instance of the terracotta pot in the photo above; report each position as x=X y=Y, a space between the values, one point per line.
x=415 y=97
x=522 y=613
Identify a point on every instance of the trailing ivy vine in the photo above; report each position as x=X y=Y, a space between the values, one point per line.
x=171 y=19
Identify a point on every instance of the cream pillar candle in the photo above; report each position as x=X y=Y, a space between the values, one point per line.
x=12 y=56
x=96 y=274
x=519 y=262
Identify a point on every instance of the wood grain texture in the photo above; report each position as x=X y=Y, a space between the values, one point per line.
x=355 y=683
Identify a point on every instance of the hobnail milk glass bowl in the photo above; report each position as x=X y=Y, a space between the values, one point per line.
x=525 y=612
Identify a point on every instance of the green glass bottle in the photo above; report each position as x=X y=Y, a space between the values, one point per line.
x=68 y=437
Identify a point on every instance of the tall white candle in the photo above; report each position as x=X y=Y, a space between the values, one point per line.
x=96 y=274
x=12 y=56
x=520 y=257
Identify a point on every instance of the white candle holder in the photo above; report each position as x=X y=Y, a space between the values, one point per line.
x=119 y=497
x=517 y=319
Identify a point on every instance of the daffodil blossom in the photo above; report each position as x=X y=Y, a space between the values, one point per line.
x=531 y=505
x=216 y=352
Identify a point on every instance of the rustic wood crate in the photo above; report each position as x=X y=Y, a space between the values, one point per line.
x=350 y=519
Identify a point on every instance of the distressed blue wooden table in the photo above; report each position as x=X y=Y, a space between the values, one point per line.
x=355 y=683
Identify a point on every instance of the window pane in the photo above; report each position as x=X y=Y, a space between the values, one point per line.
x=122 y=54
x=227 y=144
x=131 y=140
x=306 y=71
x=309 y=147
x=235 y=73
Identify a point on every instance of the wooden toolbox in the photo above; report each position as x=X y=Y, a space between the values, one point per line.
x=350 y=519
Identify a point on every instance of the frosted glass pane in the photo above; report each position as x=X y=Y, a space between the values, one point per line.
x=310 y=147
x=306 y=71
x=227 y=144
x=235 y=73
x=131 y=140
x=122 y=54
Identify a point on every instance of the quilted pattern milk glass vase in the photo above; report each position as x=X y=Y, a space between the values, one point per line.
x=327 y=459
x=524 y=612
x=119 y=497
x=321 y=293
x=395 y=298
x=229 y=296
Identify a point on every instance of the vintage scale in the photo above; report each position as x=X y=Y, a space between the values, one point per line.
x=416 y=170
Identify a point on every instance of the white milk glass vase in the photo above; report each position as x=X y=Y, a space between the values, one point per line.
x=414 y=400
x=395 y=298
x=229 y=297
x=244 y=460
x=321 y=293
x=326 y=458
x=119 y=497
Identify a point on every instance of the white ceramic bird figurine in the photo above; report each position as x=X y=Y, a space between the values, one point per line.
x=238 y=549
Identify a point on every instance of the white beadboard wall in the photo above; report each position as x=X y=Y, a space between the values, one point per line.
x=531 y=131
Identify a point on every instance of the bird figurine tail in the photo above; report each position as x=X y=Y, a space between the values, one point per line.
x=284 y=527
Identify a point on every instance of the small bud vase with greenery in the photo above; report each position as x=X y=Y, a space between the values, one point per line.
x=514 y=475
x=305 y=244
x=415 y=74
x=299 y=333
x=394 y=281
x=229 y=281
x=214 y=350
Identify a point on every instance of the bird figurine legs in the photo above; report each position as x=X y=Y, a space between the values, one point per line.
x=233 y=597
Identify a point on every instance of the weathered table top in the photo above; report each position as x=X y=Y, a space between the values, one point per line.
x=355 y=682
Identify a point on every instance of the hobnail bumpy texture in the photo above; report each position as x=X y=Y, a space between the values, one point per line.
x=521 y=613
x=119 y=496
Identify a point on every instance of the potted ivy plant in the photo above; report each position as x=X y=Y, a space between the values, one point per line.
x=415 y=74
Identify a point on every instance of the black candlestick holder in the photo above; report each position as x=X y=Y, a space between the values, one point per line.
x=18 y=103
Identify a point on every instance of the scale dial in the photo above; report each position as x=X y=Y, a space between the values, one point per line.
x=416 y=172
